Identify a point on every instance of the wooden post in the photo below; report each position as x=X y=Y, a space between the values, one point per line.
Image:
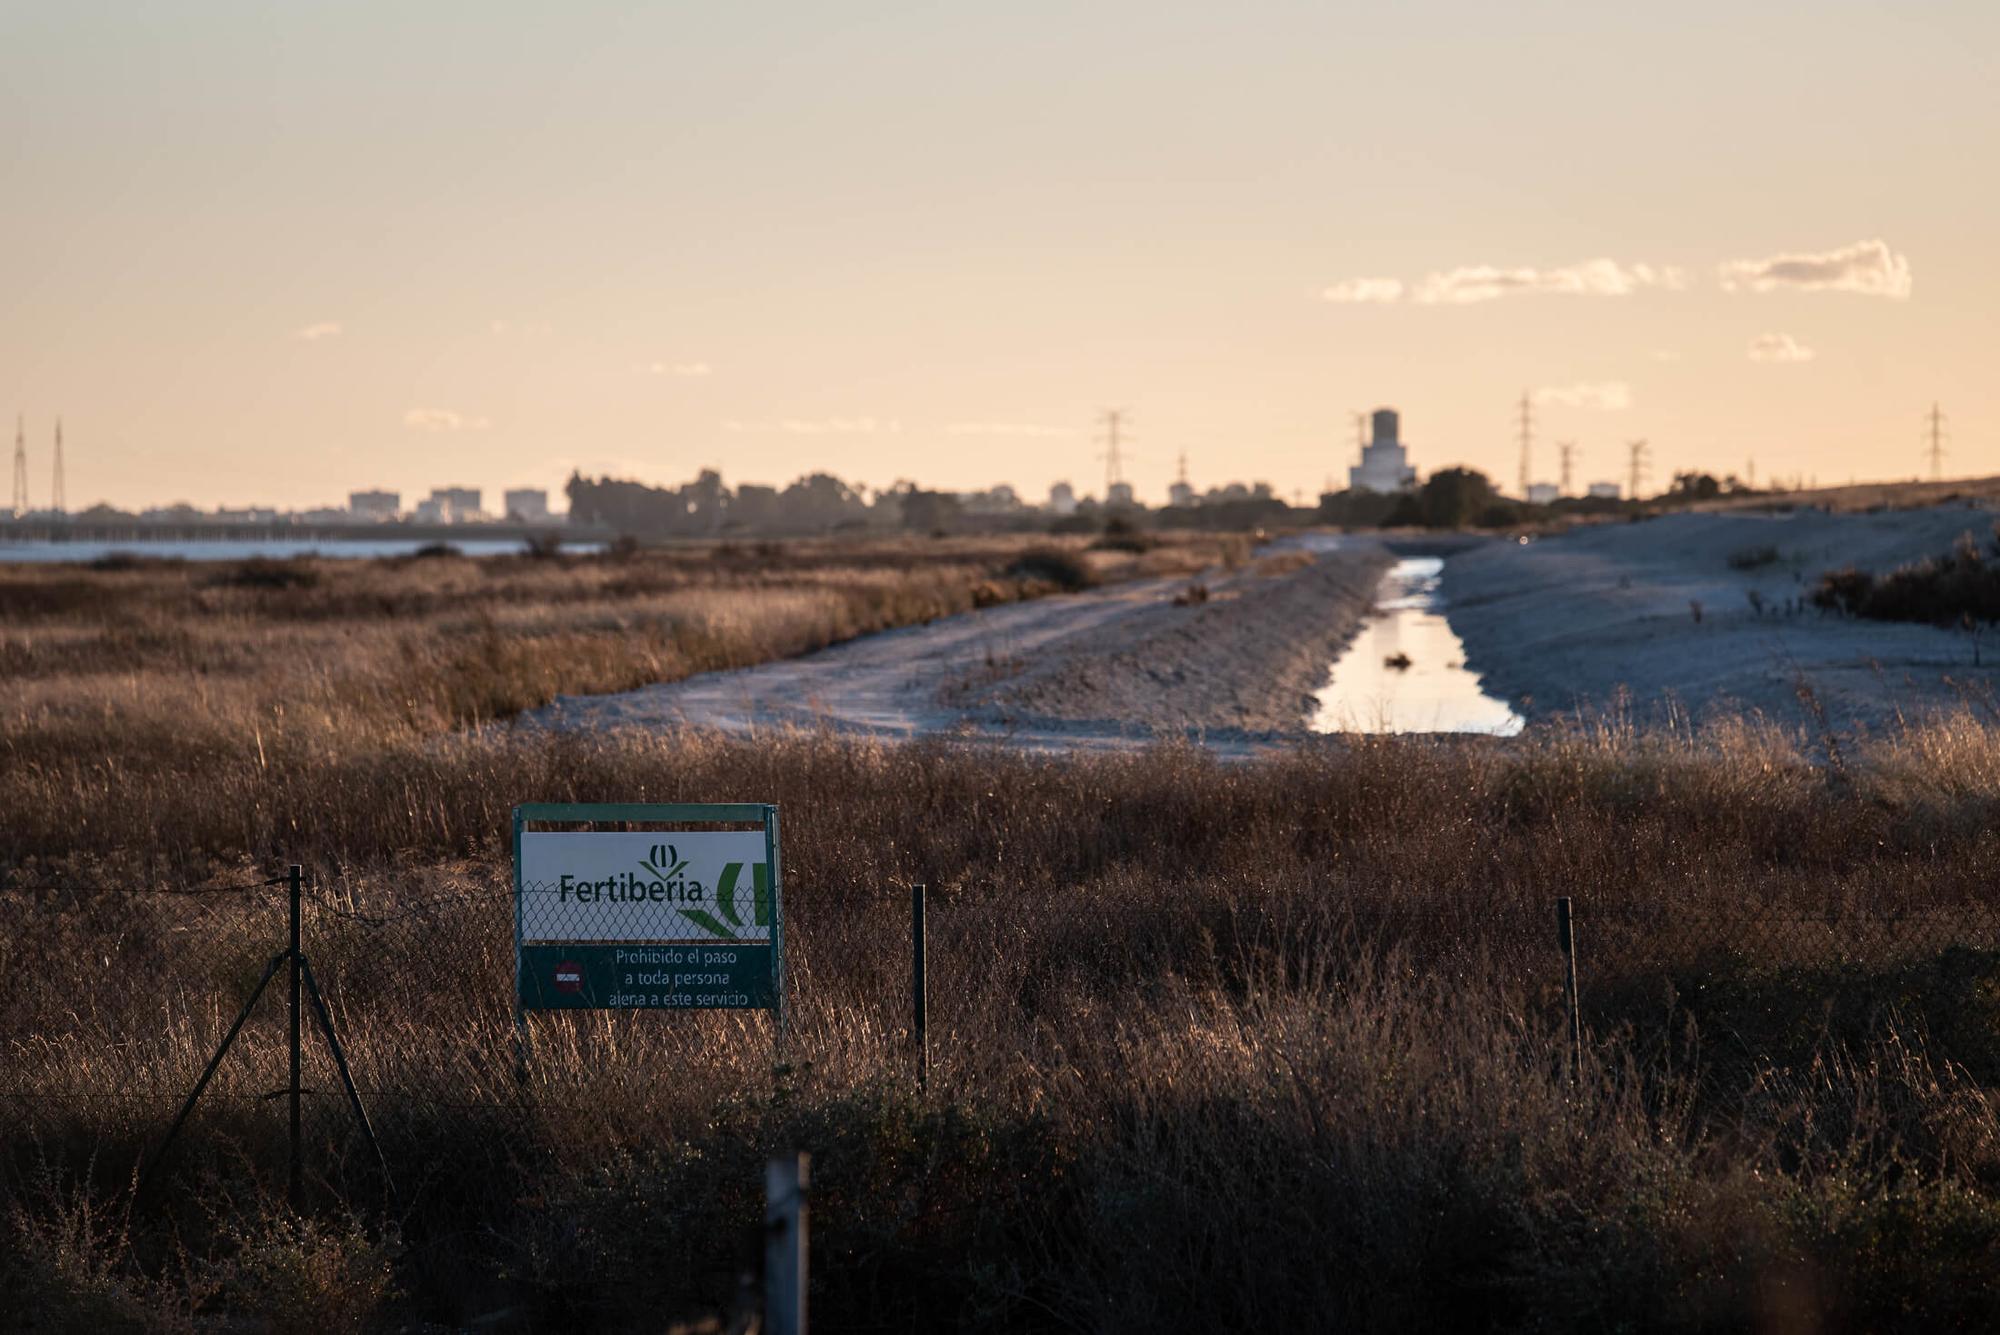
x=785 y=1182
x=294 y=1167
x=919 y=986
x=1566 y=936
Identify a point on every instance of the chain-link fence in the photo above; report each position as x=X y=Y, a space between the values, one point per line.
x=117 y=1000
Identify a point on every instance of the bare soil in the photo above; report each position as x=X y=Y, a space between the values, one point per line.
x=1657 y=615
x=1233 y=656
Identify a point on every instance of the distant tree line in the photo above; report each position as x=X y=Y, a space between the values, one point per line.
x=705 y=507
x=1467 y=498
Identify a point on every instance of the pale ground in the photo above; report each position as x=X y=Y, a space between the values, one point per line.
x=1114 y=668
x=1571 y=620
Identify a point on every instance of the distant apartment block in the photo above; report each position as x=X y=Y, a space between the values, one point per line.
x=450 y=505
x=530 y=505
x=1119 y=493
x=374 y=505
x=1181 y=496
x=1605 y=491
x=1062 y=499
x=1542 y=493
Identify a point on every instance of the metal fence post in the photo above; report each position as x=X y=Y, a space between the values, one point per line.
x=919 y=985
x=785 y=1183
x=1566 y=936
x=295 y=1176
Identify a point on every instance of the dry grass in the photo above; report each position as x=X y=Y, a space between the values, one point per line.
x=1216 y=1046
x=1907 y=495
x=164 y=665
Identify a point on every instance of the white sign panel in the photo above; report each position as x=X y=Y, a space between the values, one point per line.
x=693 y=886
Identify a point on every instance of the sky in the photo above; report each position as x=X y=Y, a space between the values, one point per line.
x=258 y=253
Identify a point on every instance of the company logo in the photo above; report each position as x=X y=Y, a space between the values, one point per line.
x=720 y=909
x=569 y=977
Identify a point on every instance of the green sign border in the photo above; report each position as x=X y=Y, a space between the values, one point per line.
x=655 y=813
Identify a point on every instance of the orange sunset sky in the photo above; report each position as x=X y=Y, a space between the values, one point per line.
x=271 y=253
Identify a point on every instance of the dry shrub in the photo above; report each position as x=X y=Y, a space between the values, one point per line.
x=1274 y=1044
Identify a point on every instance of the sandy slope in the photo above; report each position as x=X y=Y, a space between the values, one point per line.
x=1572 y=619
x=1113 y=668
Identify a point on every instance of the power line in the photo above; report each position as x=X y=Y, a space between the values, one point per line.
x=57 y=501
x=1935 y=421
x=1112 y=423
x=1641 y=456
x=20 y=467
x=1527 y=440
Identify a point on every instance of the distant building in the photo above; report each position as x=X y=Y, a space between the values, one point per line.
x=1605 y=491
x=527 y=504
x=1120 y=493
x=1062 y=499
x=323 y=515
x=1181 y=496
x=374 y=505
x=253 y=514
x=1385 y=465
x=451 y=505
x=1542 y=493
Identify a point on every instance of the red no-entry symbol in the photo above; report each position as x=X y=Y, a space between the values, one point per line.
x=569 y=976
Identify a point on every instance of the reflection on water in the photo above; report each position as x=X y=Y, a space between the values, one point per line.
x=1431 y=691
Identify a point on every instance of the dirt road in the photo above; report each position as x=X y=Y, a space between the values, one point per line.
x=1114 y=668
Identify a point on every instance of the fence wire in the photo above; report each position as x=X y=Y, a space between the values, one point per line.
x=114 y=997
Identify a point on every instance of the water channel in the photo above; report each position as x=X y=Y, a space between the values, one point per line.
x=1405 y=671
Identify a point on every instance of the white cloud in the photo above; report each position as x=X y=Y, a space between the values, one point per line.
x=442 y=419
x=1779 y=348
x=1363 y=290
x=678 y=368
x=1604 y=396
x=821 y=426
x=313 y=333
x=1867 y=267
x=1009 y=429
x=1592 y=278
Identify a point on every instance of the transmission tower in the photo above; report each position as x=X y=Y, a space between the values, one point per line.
x=1641 y=455
x=1935 y=424
x=1527 y=441
x=20 y=468
x=57 y=502
x=1567 y=450
x=1111 y=422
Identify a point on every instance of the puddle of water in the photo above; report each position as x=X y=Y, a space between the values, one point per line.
x=1434 y=693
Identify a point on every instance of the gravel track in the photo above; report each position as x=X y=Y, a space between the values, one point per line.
x=1116 y=668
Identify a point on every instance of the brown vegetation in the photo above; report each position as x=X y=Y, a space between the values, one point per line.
x=1215 y=1046
x=1960 y=588
x=156 y=667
